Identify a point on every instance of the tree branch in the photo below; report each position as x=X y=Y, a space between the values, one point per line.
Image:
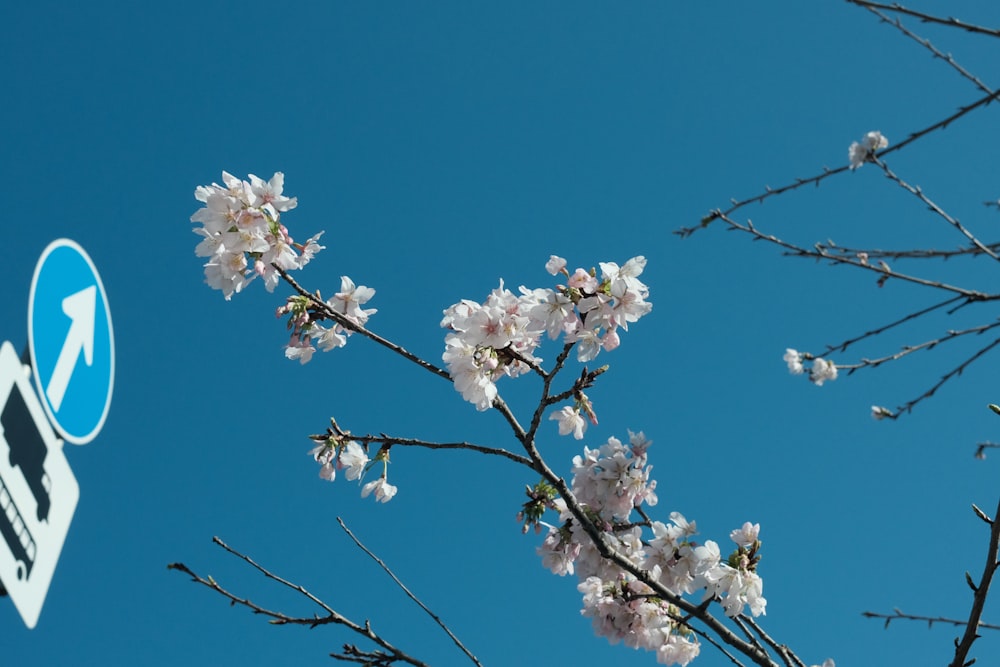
x=980 y=591
x=769 y=192
x=754 y=653
x=927 y=18
x=842 y=347
x=278 y=618
x=790 y=658
x=910 y=349
x=917 y=192
x=347 y=323
x=909 y=405
x=930 y=620
x=926 y=43
x=337 y=432
x=820 y=252
x=410 y=595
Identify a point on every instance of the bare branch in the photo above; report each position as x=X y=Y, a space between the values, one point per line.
x=786 y=654
x=908 y=407
x=982 y=447
x=842 y=347
x=272 y=576
x=740 y=622
x=917 y=192
x=909 y=349
x=926 y=43
x=545 y=401
x=278 y=618
x=982 y=589
x=409 y=594
x=928 y=18
x=684 y=232
x=820 y=252
x=719 y=647
x=898 y=615
x=915 y=253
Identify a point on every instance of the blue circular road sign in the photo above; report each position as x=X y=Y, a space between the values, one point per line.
x=71 y=341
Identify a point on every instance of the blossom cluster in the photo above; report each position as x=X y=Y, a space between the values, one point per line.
x=860 y=152
x=820 y=371
x=242 y=234
x=333 y=454
x=609 y=483
x=498 y=337
x=305 y=319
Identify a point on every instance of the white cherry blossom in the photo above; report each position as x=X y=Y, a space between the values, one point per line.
x=859 y=152
x=242 y=235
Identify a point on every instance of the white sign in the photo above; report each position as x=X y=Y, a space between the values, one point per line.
x=71 y=341
x=38 y=492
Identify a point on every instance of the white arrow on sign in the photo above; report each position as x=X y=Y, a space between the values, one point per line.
x=80 y=307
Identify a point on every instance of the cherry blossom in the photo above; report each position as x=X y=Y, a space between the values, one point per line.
x=794 y=361
x=349 y=299
x=860 y=152
x=497 y=338
x=609 y=483
x=746 y=535
x=555 y=265
x=822 y=370
x=300 y=347
x=570 y=421
x=384 y=491
x=242 y=235
x=305 y=320
x=354 y=459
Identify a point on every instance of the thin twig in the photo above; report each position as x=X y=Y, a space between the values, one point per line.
x=928 y=18
x=514 y=354
x=908 y=407
x=914 y=253
x=982 y=447
x=347 y=323
x=980 y=591
x=786 y=653
x=738 y=621
x=500 y=406
x=719 y=647
x=820 y=253
x=818 y=178
x=842 y=347
x=926 y=43
x=279 y=618
x=544 y=402
x=898 y=615
x=270 y=575
x=336 y=431
x=917 y=192
x=910 y=349
x=409 y=594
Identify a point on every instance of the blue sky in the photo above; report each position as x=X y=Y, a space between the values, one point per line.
x=441 y=148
